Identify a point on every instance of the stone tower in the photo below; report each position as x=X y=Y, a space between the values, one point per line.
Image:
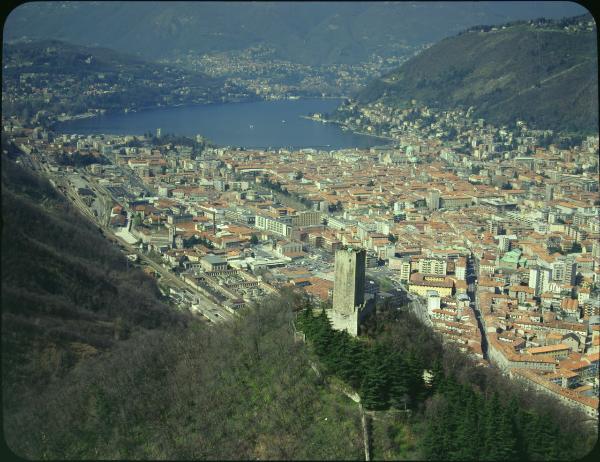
x=348 y=289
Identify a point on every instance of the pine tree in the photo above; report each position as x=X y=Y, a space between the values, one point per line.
x=547 y=437
x=306 y=321
x=345 y=360
x=438 y=374
x=374 y=390
x=335 y=358
x=520 y=424
x=323 y=335
x=432 y=443
x=354 y=365
x=400 y=383
x=490 y=423
x=466 y=443
x=506 y=440
x=445 y=431
x=453 y=415
x=416 y=383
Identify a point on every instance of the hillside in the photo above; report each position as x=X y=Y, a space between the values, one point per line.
x=545 y=74
x=66 y=292
x=304 y=32
x=238 y=391
x=57 y=77
x=95 y=365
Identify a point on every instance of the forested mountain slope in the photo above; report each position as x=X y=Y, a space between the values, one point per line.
x=66 y=292
x=79 y=78
x=543 y=73
x=239 y=391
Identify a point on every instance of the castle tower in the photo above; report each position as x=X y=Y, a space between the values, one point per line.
x=349 y=289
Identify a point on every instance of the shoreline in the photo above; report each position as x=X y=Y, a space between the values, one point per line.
x=63 y=126
x=89 y=115
x=346 y=128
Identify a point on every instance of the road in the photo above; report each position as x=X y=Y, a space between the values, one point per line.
x=416 y=304
x=418 y=307
x=472 y=293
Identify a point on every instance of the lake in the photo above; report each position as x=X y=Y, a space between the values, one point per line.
x=259 y=124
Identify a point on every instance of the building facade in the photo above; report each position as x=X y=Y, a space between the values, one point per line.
x=273 y=225
x=437 y=266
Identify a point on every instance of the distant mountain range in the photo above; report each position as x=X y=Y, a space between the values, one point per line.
x=303 y=32
x=58 y=57
x=545 y=73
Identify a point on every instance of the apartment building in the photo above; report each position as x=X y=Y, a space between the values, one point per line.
x=436 y=266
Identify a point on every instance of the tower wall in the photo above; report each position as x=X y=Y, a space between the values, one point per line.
x=344 y=321
x=348 y=290
x=349 y=284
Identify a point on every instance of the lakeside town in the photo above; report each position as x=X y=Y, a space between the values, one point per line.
x=258 y=70
x=490 y=235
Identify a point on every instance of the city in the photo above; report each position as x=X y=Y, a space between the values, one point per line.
x=500 y=249
x=481 y=235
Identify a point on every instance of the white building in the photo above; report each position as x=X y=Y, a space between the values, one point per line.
x=436 y=266
x=273 y=225
x=433 y=301
x=460 y=269
x=539 y=279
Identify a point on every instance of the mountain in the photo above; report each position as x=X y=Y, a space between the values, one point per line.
x=543 y=72
x=303 y=32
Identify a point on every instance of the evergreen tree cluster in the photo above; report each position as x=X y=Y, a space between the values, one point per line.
x=462 y=424
x=276 y=186
x=384 y=377
x=78 y=159
x=195 y=240
x=458 y=415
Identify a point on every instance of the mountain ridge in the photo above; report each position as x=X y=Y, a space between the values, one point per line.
x=543 y=74
x=309 y=33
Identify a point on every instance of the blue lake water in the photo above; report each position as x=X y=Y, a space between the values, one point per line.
x=259 y=124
